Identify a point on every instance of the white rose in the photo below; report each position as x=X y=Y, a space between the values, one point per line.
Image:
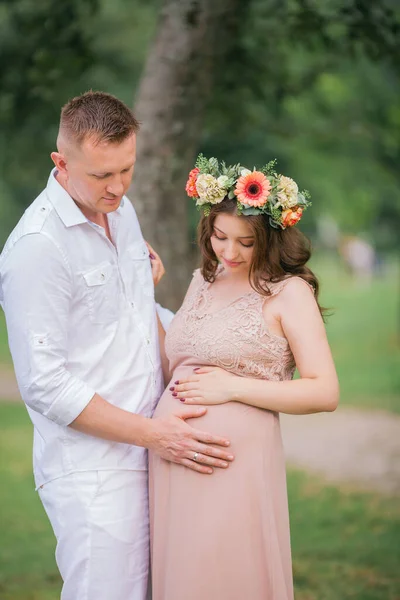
x=245 y=172
x=287 y=192
x=223 y=181
x=209 y=190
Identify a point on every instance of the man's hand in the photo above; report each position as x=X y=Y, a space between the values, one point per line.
x=176 y=441
x=157 y=266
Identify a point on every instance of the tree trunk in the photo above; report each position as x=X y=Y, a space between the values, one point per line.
x=177 y=80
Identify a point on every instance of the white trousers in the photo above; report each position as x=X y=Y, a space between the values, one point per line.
x=101 y=522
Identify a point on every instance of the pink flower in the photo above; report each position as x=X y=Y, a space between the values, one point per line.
x=191 y=183
x=291 y=217
x=253 y=189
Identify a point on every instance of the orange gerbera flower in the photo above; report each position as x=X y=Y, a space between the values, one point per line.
x=191 y=183
x=253 y=189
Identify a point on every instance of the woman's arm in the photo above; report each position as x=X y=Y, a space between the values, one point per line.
x=316 y=391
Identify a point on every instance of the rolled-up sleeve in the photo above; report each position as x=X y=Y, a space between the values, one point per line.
x=36 y=285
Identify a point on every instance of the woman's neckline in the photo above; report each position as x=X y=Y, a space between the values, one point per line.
x=211 y=295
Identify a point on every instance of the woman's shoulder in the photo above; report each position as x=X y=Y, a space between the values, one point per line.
x=293 y=296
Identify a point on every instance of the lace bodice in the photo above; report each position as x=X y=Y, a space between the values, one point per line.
x=234 y=337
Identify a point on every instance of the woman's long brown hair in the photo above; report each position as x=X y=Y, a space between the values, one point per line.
x=278 y=253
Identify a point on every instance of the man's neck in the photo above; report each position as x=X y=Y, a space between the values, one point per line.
x=99 y=219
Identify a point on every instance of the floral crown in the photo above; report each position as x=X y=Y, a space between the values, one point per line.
x=257 y=192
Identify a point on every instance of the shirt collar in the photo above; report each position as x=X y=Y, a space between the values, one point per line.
x=65 y=207
x=69 y=213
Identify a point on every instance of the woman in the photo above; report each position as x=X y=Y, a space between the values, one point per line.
x=250 y=316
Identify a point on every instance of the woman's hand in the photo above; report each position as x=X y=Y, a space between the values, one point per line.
x=208 y=385
x=157 y=266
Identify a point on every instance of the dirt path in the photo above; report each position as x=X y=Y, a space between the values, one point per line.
x=348 y=446
x=8 y=385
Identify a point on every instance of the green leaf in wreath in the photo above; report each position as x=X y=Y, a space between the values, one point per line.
x=251 y=211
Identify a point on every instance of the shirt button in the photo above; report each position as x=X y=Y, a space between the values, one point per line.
x=102 y=276
x=41 y=341
x=43 y=208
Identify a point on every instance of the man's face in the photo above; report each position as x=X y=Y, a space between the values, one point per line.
x=97 y=175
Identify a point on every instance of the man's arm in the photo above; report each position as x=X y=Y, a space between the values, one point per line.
x=36 y=284
x=171 y=437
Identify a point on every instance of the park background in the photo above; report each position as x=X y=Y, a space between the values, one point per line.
x=312 y=83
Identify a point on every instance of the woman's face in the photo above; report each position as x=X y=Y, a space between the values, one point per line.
x=233 y=243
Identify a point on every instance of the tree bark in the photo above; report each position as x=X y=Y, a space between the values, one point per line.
x=177 y=80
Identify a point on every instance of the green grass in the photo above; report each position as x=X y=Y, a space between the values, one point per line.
x=345 y=543
x=27 y=566
x=364 y=334
x=5 y=357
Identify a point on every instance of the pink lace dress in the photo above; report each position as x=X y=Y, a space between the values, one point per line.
x=224 y=536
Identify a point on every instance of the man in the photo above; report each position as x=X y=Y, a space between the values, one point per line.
x=77 y=290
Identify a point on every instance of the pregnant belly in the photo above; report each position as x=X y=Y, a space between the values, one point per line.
x=240 y=423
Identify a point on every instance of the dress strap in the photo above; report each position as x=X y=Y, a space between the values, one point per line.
x=277 y=287
x=197 y=276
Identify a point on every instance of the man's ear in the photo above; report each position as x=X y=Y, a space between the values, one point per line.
x=59 y=160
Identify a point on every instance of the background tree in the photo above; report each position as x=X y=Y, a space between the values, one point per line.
x=315 y=84
x=44 y=48
x=259 y=79
x=188 y=51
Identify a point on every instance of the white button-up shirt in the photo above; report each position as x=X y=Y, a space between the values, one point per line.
x=81 y=319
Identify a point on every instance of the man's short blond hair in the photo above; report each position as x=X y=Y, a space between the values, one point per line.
x=99 y=116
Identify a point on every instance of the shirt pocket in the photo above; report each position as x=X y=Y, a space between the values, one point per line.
x=101 y=293
x=139 y=269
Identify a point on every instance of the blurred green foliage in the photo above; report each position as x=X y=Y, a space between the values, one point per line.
x=315 y=84
x=50 y=52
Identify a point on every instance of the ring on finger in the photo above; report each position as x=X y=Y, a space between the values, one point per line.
x=195 y=455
